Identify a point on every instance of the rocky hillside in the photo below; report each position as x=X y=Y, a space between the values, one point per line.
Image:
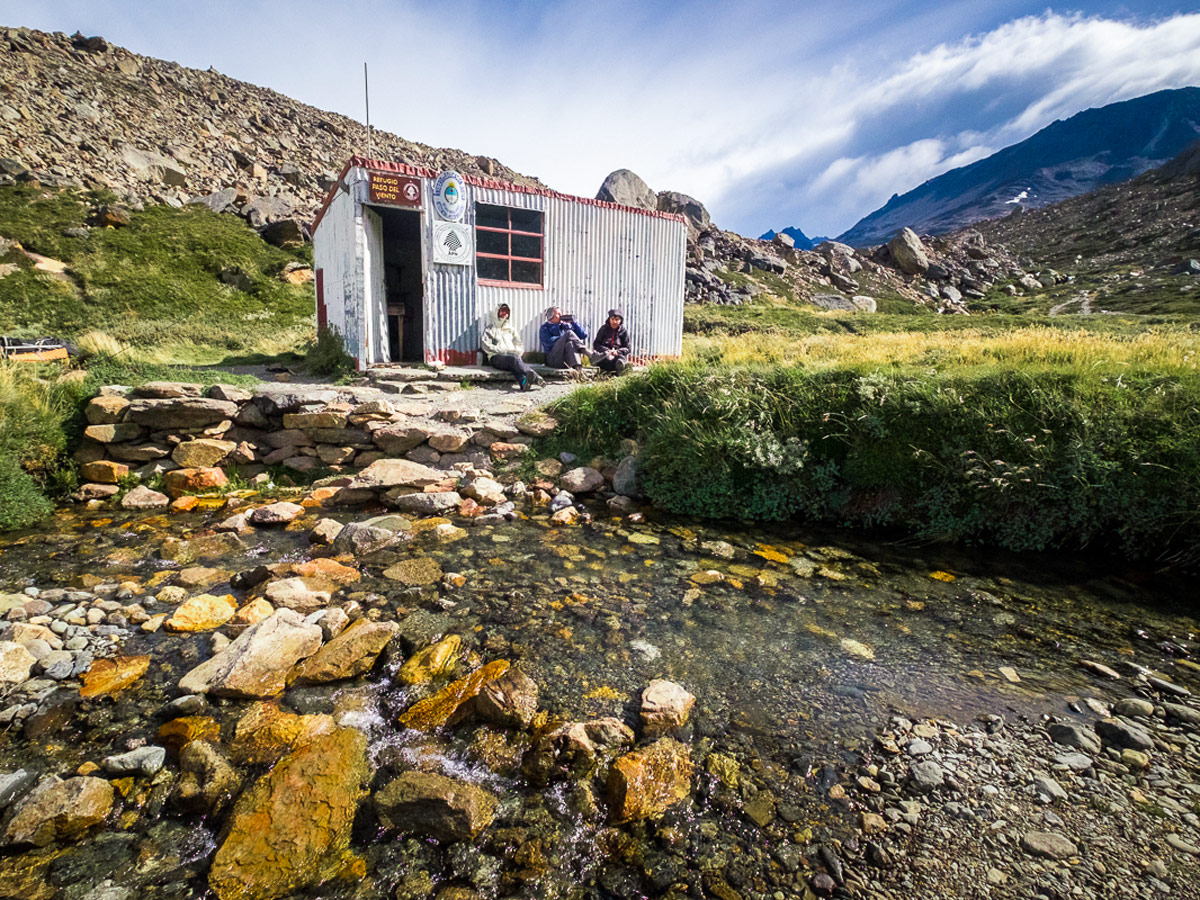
x=1096 y=147
x=1132 y=247
x=81 y=112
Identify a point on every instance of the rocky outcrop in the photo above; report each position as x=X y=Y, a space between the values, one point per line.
x=291 y=829
x=690 y=208
x=155 y=131
x=909 y=253
x=626 y=188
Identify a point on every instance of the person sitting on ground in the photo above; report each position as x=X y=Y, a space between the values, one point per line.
x=612 y=344
x=562 y=340
x=502 y=347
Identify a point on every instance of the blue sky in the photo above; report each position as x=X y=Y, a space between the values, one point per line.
x=771 y=113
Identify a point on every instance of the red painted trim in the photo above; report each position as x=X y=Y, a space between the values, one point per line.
x=536 y=259
x=528 y=285
x=492 y=183
x=536 y=234
x=452 y=357
x=322 y=315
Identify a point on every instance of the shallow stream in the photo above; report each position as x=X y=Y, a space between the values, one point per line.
x=799 y=647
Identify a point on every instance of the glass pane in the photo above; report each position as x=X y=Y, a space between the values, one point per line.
x=491 y=216
x=492 y=269
x=527 y=272
x=491 y=242
x=523 y=245
x=527 y=220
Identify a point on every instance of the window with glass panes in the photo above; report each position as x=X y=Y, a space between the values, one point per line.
x=508 y=245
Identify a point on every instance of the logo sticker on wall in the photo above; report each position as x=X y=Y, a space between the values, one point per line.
x=449 y=198
x=452 y=244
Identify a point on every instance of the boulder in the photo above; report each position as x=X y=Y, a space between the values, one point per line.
x=1047 y=845
x=284 y=233
x=483 y=490
x=690 y=208
x=908 y=252
x=110 y=676
x=627 y=480
x=257 y=662
x=582 y=480
x=291 y=829
x=204 y=612
x=416 y=570
x=207 y=782
x=453 y=702
x=427 y=504
x=324 y=531
x=107 y=409
x=181 y=412
x=351 y=653
x=296 y=593
x=179 y=482
x=426 y=664
x=280 y=513
x=385 y=474
x=511 y=700
x=115 y=433
x=142 y=497
x=16 y=663
x=103 y=471
x=265 y=733
x=665 y=707
x=360 y=539
x=58 y=810
x=144 y=761
x=1122 y=734
x=201 y=453
x=1072 y=735
x=627 y=189
x=398 y=439
x=646 y=783
x=431 y=804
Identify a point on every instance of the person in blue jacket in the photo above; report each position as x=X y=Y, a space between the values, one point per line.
x=562 y=340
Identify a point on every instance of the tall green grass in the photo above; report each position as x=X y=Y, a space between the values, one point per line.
x=1023 y=458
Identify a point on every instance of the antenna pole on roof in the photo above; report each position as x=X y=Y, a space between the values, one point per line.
x=367 y=95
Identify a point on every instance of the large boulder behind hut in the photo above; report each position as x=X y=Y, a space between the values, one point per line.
x=626 y=188
x=689 y=207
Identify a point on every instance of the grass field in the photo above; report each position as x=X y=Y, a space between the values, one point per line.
x=183 y=286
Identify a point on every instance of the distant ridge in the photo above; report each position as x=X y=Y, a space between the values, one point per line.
x=1069 y=157
x=803 y=242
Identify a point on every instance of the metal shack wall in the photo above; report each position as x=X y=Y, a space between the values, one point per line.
x=596 y=259
x=337 y=252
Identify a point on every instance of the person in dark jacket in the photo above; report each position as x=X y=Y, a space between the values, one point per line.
x=612 y=344
x=562 y=340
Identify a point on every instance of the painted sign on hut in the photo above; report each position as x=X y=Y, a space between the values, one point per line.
x=410 y=261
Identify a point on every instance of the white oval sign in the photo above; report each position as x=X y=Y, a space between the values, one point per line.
x=449 y=197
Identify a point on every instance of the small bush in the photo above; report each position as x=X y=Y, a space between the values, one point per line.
x=327 y=355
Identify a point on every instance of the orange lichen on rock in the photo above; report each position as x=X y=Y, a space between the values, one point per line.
x=108 y=676
x=452 y=701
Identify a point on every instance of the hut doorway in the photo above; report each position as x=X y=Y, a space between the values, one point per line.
x=403 y=284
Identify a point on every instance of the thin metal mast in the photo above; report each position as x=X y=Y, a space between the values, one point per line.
x=367 y=95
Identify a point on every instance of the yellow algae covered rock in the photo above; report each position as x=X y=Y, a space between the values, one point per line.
x=265 y=732
x=646 y=783
x=108 y=676
x=941 y=576
x=436 y=659
x=855 y=648
x=769 y=553
x=415 y=571
x=174 y=734
x=335 y=572
x=58 y=810
x=708 y=576
x=453 y=700
x=204 y=612
x=351 y=653
x=291 y=830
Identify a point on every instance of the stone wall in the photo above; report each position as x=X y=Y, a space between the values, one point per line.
x=191 y=439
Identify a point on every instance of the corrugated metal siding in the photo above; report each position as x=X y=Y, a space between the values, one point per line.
x=597 y=259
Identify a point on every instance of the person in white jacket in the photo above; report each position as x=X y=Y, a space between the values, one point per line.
x=502 y=347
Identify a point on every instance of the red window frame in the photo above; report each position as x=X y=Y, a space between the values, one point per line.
x=509 y=258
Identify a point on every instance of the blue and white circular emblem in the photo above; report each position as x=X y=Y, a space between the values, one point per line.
x=449 y=198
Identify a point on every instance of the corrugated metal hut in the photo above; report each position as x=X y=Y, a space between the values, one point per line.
x=409 y=262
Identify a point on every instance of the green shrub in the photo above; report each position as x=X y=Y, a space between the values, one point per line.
x=1026 y=460
x=327 y=355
